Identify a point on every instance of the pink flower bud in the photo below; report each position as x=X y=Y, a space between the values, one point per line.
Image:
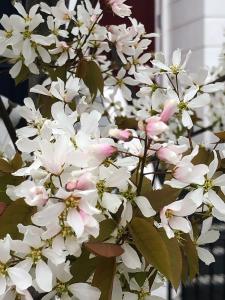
x=167 y=155
x=104 y=150
x=71 y=186
x=83 y=183
x=124 y=135
x=171 y=154
x=155 y=127
x=169 y=110
x=38 y=196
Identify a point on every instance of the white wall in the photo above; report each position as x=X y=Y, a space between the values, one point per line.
x=198 y=25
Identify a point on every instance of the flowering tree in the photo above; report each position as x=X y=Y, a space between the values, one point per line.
x=108 y=193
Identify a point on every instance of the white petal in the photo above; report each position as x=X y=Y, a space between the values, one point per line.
x=15 y=70
x=43 y=276
x=2 y=285
x=130 y=296
x=199 y=101
x=186 y=119
x=191 y=92
x=209 y=237
x=130 y=257
x=111 y=202
x=84 y=291
x=216 y=201
x=176 y=60
x=205 y=256
x=219 y=181
x=212 y=88
x=213 y=166
x=20 y=278
x=145 y=207
x=75 y=221
x=179 y=223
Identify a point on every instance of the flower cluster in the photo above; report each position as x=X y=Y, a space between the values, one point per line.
x=111 y=182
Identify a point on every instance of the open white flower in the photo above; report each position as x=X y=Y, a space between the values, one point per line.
x=176 y=67
x=17 y=275
x=207 y=237
x=173 y=216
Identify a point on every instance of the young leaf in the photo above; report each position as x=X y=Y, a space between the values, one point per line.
x=104 y=277
x=106 y=228
x=91 y=74
x=191 y=255
x=23 y=75
x=104 y=249
x=83 y=267
x=156 y=249
x=5 y=166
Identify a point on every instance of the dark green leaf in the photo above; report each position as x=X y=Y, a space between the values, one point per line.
x=106 y=228
x=126 y=123
x=23 y=75
x=83 y=267
x=91 y=74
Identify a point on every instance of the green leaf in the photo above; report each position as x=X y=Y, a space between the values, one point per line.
x=17 y=212
x=126 y=123
x=204 y=156
x=157 y=250
x=104 y=249
x=191 y=256
x=5 y=166
x=23 y=75
x=140 y=277
x=104 y=277
x=57 y=72
x=91 y=74
x=7 y=179
x=106 y=229
x=175 y=255
x=82 y=68
x=83 y=267
x=157 y=198
x=45 y=105
x=11 y=166
x=16 y=162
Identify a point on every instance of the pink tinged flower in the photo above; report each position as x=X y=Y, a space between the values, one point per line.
x=38 y=196
x=119 y=8
x=188 y=173
x=172 y=153
x=104 y=150
x=123 y=135
x=84 y=182
x=155 y=127
x=169 y=110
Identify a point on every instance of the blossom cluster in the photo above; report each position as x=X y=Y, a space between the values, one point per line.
x=111 y=171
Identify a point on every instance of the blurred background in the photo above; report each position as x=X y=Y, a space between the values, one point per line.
x=187 y=24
